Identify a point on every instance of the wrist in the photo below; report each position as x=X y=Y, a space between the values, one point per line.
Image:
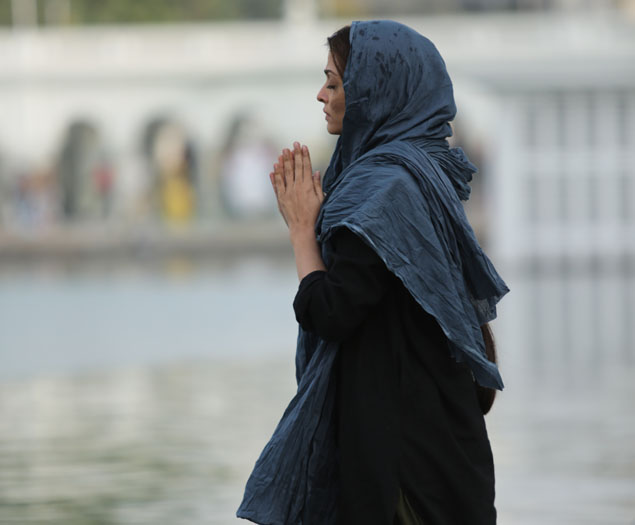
x=301 y=233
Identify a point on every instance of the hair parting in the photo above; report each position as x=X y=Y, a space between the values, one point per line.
x=340 y=47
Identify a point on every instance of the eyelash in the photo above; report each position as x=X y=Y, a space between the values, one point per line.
x=330 y=87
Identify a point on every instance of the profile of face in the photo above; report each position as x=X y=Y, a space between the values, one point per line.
x=331 y=94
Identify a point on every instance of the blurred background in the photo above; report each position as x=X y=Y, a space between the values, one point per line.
x=146 y=329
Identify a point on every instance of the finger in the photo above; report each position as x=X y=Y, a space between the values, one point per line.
x=273 y=183
x=278 y=187
x=278 y=180
x=280 y=162
x=288 y=168
x=279 y=176
x=297 y=154
x=317 y=186
x=306 y=163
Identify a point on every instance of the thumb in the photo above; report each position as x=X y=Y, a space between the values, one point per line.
x=317 y=185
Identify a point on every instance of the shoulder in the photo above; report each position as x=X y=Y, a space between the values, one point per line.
x=374 y=197
x=345 y=240
x=376 y=172
x=371 y=183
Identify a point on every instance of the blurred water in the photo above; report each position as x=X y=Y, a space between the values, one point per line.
x=85 y=319
x=138 y=398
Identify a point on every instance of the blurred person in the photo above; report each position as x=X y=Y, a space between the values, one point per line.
x=24 y=205
x=246 y=155
x=78 y=162
x=104 y=183
x=172 y=158
x=34 y=199
x=395 y=362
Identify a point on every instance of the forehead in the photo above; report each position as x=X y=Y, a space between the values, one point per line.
x=330 y=66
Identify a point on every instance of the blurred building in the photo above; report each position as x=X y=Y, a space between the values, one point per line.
x=80 y=103
x=174 y=123
x=563 y=185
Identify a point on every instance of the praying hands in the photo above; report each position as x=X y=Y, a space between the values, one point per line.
x=299 y=194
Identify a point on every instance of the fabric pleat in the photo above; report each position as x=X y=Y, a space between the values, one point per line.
x=393 y=180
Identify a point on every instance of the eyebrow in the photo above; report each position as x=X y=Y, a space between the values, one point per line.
x=328 y=72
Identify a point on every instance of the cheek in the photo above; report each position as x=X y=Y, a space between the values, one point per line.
x=339 y=105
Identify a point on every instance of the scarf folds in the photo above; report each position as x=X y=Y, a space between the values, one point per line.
x=404 y=206
x=394 y=181
x=294 y=480
x=407 y=209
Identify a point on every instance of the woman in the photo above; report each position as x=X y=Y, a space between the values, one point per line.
x=395 y=293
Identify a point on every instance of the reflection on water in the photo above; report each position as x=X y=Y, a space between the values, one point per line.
x=165 y=445
x=564 y=453
x=147 y=400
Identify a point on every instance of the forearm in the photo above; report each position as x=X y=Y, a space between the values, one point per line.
x=334 y=303
x=307 y=251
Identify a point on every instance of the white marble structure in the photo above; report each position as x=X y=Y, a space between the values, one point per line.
x=550 y=98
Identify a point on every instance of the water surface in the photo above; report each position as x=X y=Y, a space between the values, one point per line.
x=146 y=397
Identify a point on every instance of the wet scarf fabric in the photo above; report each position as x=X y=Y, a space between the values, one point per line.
x=395 y=182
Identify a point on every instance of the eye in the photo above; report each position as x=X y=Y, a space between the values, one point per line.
x=331 y=86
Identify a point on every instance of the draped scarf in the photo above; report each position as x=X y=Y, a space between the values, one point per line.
x=394 y=181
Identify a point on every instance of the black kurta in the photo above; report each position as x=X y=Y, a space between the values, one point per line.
x=409 y=423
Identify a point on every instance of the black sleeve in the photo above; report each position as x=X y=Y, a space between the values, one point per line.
x=333 y=303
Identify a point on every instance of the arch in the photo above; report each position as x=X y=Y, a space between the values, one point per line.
x=171 y=164
x=245 y=160
x=84 y=173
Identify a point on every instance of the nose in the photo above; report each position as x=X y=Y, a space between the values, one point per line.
x=321 y=96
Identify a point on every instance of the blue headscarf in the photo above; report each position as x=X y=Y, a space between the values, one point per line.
x=395 y=182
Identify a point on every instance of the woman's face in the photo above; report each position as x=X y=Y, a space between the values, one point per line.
x=331 y=94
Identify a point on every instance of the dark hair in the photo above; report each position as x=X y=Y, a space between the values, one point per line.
x=340 y=47
x=486 y=395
